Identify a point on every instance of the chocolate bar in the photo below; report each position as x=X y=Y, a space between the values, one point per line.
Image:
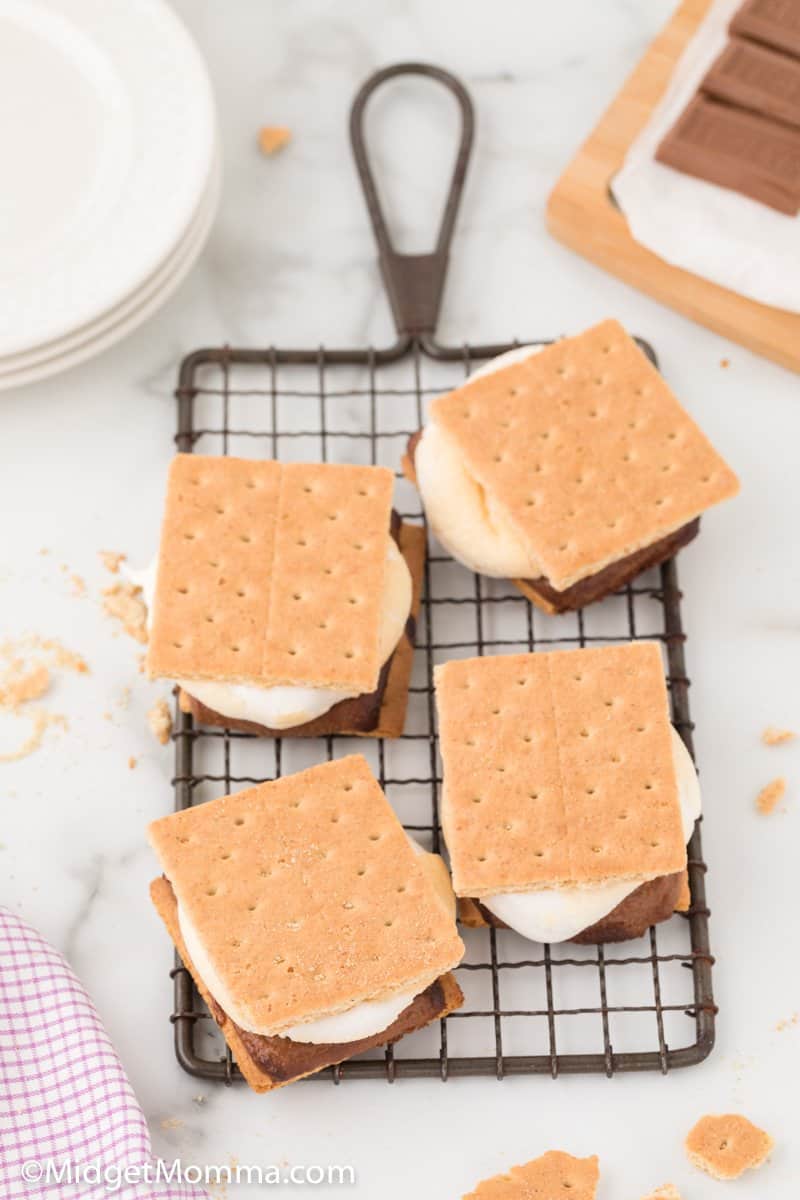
x=758 y=79
x=776 y=23
x=739 y=150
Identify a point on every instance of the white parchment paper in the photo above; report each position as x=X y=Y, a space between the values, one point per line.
x=713 y=232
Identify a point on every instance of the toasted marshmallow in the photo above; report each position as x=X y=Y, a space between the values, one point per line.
x=287 y=707
x=558 y=914
x=464 y=519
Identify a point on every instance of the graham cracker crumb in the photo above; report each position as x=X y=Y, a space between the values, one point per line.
x=726 y=1146
x=111 y=560
x=770 y=796
x=788 y=1023
x=123 y=602
x=132 y=762
x=60 y=656
x=272 y=138
x=21 y=683
x=40 y=720
x=159 y=719
x=777 y=737
x=25 y=676
x=172 y=1123
x=724 y=363
x=78 y=585
x=667 y=1192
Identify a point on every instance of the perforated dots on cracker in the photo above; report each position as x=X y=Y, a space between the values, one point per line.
x=726 y=1146
x=550 y=1177
x=585 y=451
x=317 y=868
x=558 y=769
x=271 y=573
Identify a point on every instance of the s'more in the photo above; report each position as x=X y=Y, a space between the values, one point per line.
x=549 y=1177
x=284 y=598
x=568 y=797
x=567 y=469
x=313 y=926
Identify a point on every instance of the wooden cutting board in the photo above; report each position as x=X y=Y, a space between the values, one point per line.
x=581 y=213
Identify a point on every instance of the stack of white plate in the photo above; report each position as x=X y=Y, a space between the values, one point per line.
x=110 y=175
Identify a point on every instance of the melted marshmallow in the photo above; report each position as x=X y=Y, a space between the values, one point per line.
x=286 y=707
x=467 y=522
x=558 y=914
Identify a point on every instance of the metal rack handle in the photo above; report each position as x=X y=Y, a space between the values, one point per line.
x=414 y=282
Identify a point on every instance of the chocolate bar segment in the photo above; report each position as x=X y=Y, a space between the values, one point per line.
x=756 y=78
x=610 y=578
x=284 y=1060
x=776 y=23
x=738 y=150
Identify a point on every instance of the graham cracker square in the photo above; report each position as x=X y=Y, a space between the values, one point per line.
x=550 y=1177
x=271 y=573
x=307 y=895
x=586 y=450
x=346 y=717
x=558 y=769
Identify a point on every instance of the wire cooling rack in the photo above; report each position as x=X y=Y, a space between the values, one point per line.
x=529 y=1009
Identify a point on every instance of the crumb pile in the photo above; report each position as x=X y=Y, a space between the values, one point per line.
x=124 y=603
x=27 y=667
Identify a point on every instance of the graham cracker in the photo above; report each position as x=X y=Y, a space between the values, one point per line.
x=558 y=769
x=271 y=573
x=317 y=868
x=269 y=1063
x=684 y=901
x=547 y=1178
x=391 y=715
x=727 y=1146
x=587 y=451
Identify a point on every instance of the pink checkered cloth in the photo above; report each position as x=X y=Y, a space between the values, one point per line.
x=63 y=1092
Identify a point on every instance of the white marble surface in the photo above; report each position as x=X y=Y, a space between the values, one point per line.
x=291 y=261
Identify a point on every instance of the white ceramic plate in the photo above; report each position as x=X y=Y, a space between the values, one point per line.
x=124 y=318
x=101 y=335
x=108 y=131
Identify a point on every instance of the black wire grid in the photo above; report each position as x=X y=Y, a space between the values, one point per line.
x=529 y=1009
